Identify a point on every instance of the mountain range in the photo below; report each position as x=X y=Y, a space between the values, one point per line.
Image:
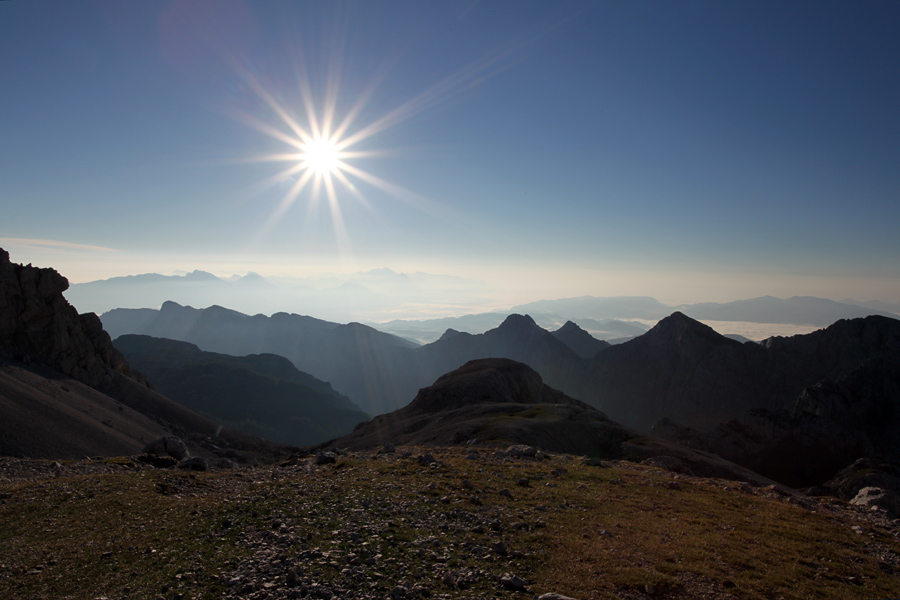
x=680 y=369
x=262 y=394
x=793 y=408
x=375 y=297
x=365 y=295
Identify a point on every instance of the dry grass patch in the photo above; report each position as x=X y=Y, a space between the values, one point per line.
x=453 y=529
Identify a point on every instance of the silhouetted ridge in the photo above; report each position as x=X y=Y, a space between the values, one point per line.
x=569 y=327
x=680 y=328
x=448 y=334
x=579 y=341
x=518 y=323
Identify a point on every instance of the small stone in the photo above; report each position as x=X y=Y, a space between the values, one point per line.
x=554 y=596
x=524 y=482
x=513 y=581
x=499 y=548
x=326 y=458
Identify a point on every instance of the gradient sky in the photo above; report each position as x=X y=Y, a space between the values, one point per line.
x=691 y=151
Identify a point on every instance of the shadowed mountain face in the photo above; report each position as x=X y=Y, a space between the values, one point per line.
x=682 y=367
x=831 y=425
x=579 y=341
x=497 y=402
x=368 y=366
x=378 y=371
x=65 y=391
x=262 y=394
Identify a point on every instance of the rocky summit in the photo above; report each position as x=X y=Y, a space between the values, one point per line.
x=38 y=325
x=66 y=392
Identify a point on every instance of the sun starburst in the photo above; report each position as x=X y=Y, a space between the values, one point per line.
x=321 y=151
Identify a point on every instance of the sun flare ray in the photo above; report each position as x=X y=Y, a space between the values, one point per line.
x=325 y=141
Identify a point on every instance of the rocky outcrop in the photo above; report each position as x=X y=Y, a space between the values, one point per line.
x=65 y=391
x=37 y=324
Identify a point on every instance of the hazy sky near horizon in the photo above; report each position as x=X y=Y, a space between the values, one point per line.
x=689 y=151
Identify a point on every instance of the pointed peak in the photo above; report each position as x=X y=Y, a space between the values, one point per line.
x=680 y=326
x=449 y=334
x=570 y=326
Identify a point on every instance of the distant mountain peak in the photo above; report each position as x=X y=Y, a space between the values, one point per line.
x=570 y=326
x=198 y=275
x=516 y=322
x=449 y=334
x=680 y=327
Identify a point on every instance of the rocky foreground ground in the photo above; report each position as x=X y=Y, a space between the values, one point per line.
x=428 y=523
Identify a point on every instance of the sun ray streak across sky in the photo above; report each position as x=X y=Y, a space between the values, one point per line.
x=326 y=142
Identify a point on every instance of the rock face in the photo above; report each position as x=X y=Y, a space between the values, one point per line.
x=38 y=325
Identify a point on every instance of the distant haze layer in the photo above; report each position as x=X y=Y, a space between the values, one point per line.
x=422 y=306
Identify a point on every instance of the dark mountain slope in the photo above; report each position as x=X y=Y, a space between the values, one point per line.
x=49 y=415
x=832 y=424
x=497 y=402
x=833 y=352
x=579 y=341
x=371 y=367
x=262 y=394
x=683 y=369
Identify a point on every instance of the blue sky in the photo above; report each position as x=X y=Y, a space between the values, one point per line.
x=686 y=150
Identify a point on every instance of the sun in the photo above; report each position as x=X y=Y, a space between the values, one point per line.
x=321 y=156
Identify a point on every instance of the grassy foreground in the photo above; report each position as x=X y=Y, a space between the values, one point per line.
x=393 y=526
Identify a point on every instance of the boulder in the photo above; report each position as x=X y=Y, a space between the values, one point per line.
x=878 y=497
x=168 y=446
